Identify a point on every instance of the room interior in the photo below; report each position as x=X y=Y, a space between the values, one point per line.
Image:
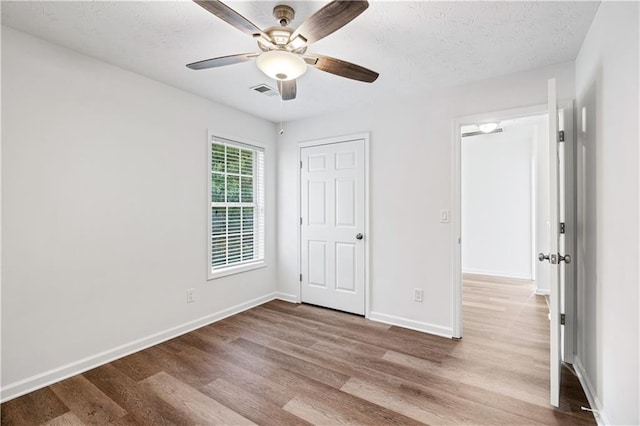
x=504 y=186
x=104 y=168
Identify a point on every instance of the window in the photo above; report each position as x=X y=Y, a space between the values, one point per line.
x=237 y=207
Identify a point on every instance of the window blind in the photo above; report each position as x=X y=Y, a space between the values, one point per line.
x=237 y=204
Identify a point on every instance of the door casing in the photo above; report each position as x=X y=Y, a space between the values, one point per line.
x=335 y=140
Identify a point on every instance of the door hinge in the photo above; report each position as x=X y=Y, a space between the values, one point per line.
x=562 y=228
x=300 y=277
x=300 y=164
x=300 y=221
x=562 y=319
x=561 y=136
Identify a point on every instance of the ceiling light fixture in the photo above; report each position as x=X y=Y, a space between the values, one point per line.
x=478 y=133
x=281 y=65
x=488 y=127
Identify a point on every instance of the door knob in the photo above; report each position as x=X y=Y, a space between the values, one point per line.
x=566 y=258
x=560 y=258
x=359 y=236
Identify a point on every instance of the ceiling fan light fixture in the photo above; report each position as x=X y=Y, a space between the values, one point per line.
x=281 y=65
x=488 y=127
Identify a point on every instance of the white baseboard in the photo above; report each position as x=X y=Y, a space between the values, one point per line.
x=411 y=324
x=38 y=381
x=496 y=274
x=291 y=298
x=589 y=391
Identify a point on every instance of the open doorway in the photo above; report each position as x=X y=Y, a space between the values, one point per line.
x=504 y=217
x=520 y=319
x=504 y=199
x=510 y=161
x=516 y=121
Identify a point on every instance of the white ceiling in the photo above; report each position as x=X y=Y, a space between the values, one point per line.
x=415 y=46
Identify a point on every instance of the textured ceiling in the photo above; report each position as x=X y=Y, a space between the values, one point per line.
x=415 y=46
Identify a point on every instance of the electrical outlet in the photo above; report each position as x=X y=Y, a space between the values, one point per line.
x=191 y=295
x=418 y=294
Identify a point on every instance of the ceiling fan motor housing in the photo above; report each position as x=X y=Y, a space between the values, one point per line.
x=280 y=36
x=284 y=14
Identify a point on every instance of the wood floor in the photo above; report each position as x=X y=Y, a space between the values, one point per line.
x=281 y=364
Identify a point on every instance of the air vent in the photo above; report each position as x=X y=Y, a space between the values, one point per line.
x=265 y=90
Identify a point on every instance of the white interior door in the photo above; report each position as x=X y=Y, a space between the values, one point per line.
x=568 y=216
x=556 y=241
x=332 y=225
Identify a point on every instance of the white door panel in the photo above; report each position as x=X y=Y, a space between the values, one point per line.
x=317 y=203
x=317 y=264
x=333 y=214
x=556 y=243
x=346 y=267
x=345 y=202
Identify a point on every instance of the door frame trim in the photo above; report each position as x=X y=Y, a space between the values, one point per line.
x=365 y=136
x=456 y=214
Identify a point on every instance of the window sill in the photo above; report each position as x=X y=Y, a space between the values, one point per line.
x=231 y=270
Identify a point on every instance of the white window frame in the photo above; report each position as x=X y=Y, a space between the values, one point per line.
x=213 y=273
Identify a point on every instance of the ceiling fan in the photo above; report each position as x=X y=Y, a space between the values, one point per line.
x=283 y=54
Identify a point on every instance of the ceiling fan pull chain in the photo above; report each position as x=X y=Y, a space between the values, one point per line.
x=281 y=111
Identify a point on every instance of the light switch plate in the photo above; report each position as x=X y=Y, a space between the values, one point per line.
x=444 y=216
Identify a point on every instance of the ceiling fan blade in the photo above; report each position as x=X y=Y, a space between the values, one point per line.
x=222 y=61
x=287 y=89
x=341 y=68
x=230 y=16
x=330 y=18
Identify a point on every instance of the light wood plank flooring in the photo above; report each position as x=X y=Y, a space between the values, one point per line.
x=281 y=364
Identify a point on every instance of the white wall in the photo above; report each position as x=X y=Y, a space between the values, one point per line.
x=497 y=203
x=104 y=212
x=411 y=181
x=608 y=245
